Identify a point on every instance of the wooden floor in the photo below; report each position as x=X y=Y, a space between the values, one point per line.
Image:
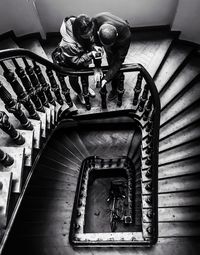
x=42 y=224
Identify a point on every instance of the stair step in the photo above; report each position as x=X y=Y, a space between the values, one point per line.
x=176 y=199
x=61 y=153
x=43 y=119
x=76 y=145
x=43 y=215
x=47 y=185
x=41 y=203
x=17 y=168
x=8 y=42
x=55 y=174
x=176 y=58
x=175 y=214
x=107 y=143
x=66 y=151
x=51 y=193
x=49 y=116
x=189 y=72
x=180 y=168
x=61 y=172
x=37 y=133
x=181 y=183
x=7 y=143
x=43 y=228
x=185 y=100
x=33 y=44
x=178 y=153
x=185 y=118
x=61 y=162
x=179 y=229
x=6 y=183
x=189 y=133
x=180 y=214
x=175 y=184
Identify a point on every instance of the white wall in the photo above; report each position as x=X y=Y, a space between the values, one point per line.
x=137 y=12
x=20 y=16
x=187 y=20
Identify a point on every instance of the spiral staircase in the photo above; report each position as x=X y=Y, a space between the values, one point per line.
x=47 y=149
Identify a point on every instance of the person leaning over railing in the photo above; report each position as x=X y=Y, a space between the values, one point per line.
x=77 y=50
x=114 y=35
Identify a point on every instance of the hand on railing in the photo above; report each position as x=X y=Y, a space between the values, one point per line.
x=98 y=75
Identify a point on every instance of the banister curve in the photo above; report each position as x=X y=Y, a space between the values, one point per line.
x=18 y=53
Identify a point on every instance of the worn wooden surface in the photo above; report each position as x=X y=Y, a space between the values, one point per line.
x=42 y=224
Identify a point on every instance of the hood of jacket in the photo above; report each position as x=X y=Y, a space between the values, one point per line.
x=66 y=31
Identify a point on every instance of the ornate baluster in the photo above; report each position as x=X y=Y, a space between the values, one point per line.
x=120 y=90
x=119 y=162
x=148 y=109
x=21 y=94
x=34 y=80
x=148 y=186
x=65 y=89
x=149 y=136
x=28 y=86
x=45 y=86
x=149 y=200
x=54 y=86
x=149 y=148
x=143 y=98
x=137 y=89
x=5 y=159
x=102 y=163
x=103 y=92
x=149 y=124
x=8 y=128
x=13 y=107
x=149 y=173
x=148 y=161
x=85 y=84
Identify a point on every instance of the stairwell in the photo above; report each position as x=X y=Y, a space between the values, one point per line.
x=41 y=220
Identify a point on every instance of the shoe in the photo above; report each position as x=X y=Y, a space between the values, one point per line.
x=112 y=95
x=80 y=98
x=91 y=92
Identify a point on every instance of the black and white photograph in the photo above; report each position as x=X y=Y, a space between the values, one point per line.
x=99 y=127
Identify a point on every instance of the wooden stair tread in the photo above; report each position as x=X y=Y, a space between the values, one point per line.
x=189 y=72
x=186 y=134
x=8 y=43
x=108 y=143
x=34 y=45
x=179 y=168
x=177 y=55
x=185 y=100
x=179 y=153
x=176 y=214
x=179 y=199
x=185 y=118
x=181 y=183
x=62 y=153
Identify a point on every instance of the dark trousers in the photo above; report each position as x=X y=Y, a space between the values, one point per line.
x=73 y=80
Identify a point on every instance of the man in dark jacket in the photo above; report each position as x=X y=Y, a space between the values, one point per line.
x=115 y=36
